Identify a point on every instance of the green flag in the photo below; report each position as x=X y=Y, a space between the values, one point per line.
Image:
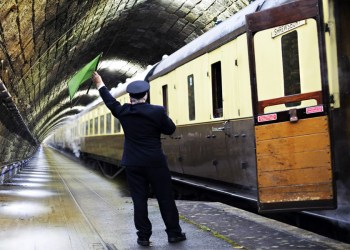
x=82 y=75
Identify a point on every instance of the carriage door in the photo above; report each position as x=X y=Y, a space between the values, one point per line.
x=290 y=104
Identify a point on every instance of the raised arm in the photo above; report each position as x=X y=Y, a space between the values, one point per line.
x=112 y=104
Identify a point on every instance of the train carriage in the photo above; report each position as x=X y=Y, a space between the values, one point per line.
x=261 y=102
x=281 y=104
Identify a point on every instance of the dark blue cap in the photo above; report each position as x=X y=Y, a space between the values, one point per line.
x=137 y=87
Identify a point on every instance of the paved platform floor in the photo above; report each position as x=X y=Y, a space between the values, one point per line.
x=57 y=203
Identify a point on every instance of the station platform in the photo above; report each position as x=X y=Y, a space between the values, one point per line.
x=55 y=202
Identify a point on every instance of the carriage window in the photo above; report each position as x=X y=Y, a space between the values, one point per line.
x=191 y=103
x=91 y=126
x=216 y=82
x=96 y=125
x=108 y=124
x=86 y=128
x=165 y=97
x=291 y=70
x=82 y=132
x=102 y=124
x=116 y=125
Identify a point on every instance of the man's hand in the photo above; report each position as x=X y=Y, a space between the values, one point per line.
x=97 y=80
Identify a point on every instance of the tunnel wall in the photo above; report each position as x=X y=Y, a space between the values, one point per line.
x=16 y=141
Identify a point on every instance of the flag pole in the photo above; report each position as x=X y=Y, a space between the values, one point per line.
x=78 y=98
x=95 y=70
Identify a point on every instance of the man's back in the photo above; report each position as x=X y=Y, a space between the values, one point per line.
x=143 y=124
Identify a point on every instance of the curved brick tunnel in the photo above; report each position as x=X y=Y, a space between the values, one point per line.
x=43 y=43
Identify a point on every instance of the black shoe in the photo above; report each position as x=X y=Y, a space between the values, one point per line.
x=143 y=242
x=177 y=238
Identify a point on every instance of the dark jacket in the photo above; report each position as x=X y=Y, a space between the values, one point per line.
x=143 y=124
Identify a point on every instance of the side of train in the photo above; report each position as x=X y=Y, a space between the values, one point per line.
x=261 y=102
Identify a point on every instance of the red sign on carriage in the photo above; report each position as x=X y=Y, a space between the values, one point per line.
x=267 y=118
x=315 y=109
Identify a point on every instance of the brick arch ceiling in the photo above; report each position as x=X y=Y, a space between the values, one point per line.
x=44 y=42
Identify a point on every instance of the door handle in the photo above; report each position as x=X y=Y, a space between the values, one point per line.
x=211 y=136
x=225 y=128
x=217 y=129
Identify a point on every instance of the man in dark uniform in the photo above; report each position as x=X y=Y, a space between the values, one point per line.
x=143 y=157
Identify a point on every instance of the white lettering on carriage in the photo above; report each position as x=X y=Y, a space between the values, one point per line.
x=285 y=28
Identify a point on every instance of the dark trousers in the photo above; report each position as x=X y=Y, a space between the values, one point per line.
x=139 y=179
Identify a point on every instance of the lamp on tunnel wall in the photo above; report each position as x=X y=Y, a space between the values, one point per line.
x=4 y=72
x=217 y=21
x=2 y=68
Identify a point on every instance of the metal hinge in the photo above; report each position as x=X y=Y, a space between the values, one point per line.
x=326 y=28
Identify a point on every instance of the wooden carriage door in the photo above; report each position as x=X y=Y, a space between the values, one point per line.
x=290 y=103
